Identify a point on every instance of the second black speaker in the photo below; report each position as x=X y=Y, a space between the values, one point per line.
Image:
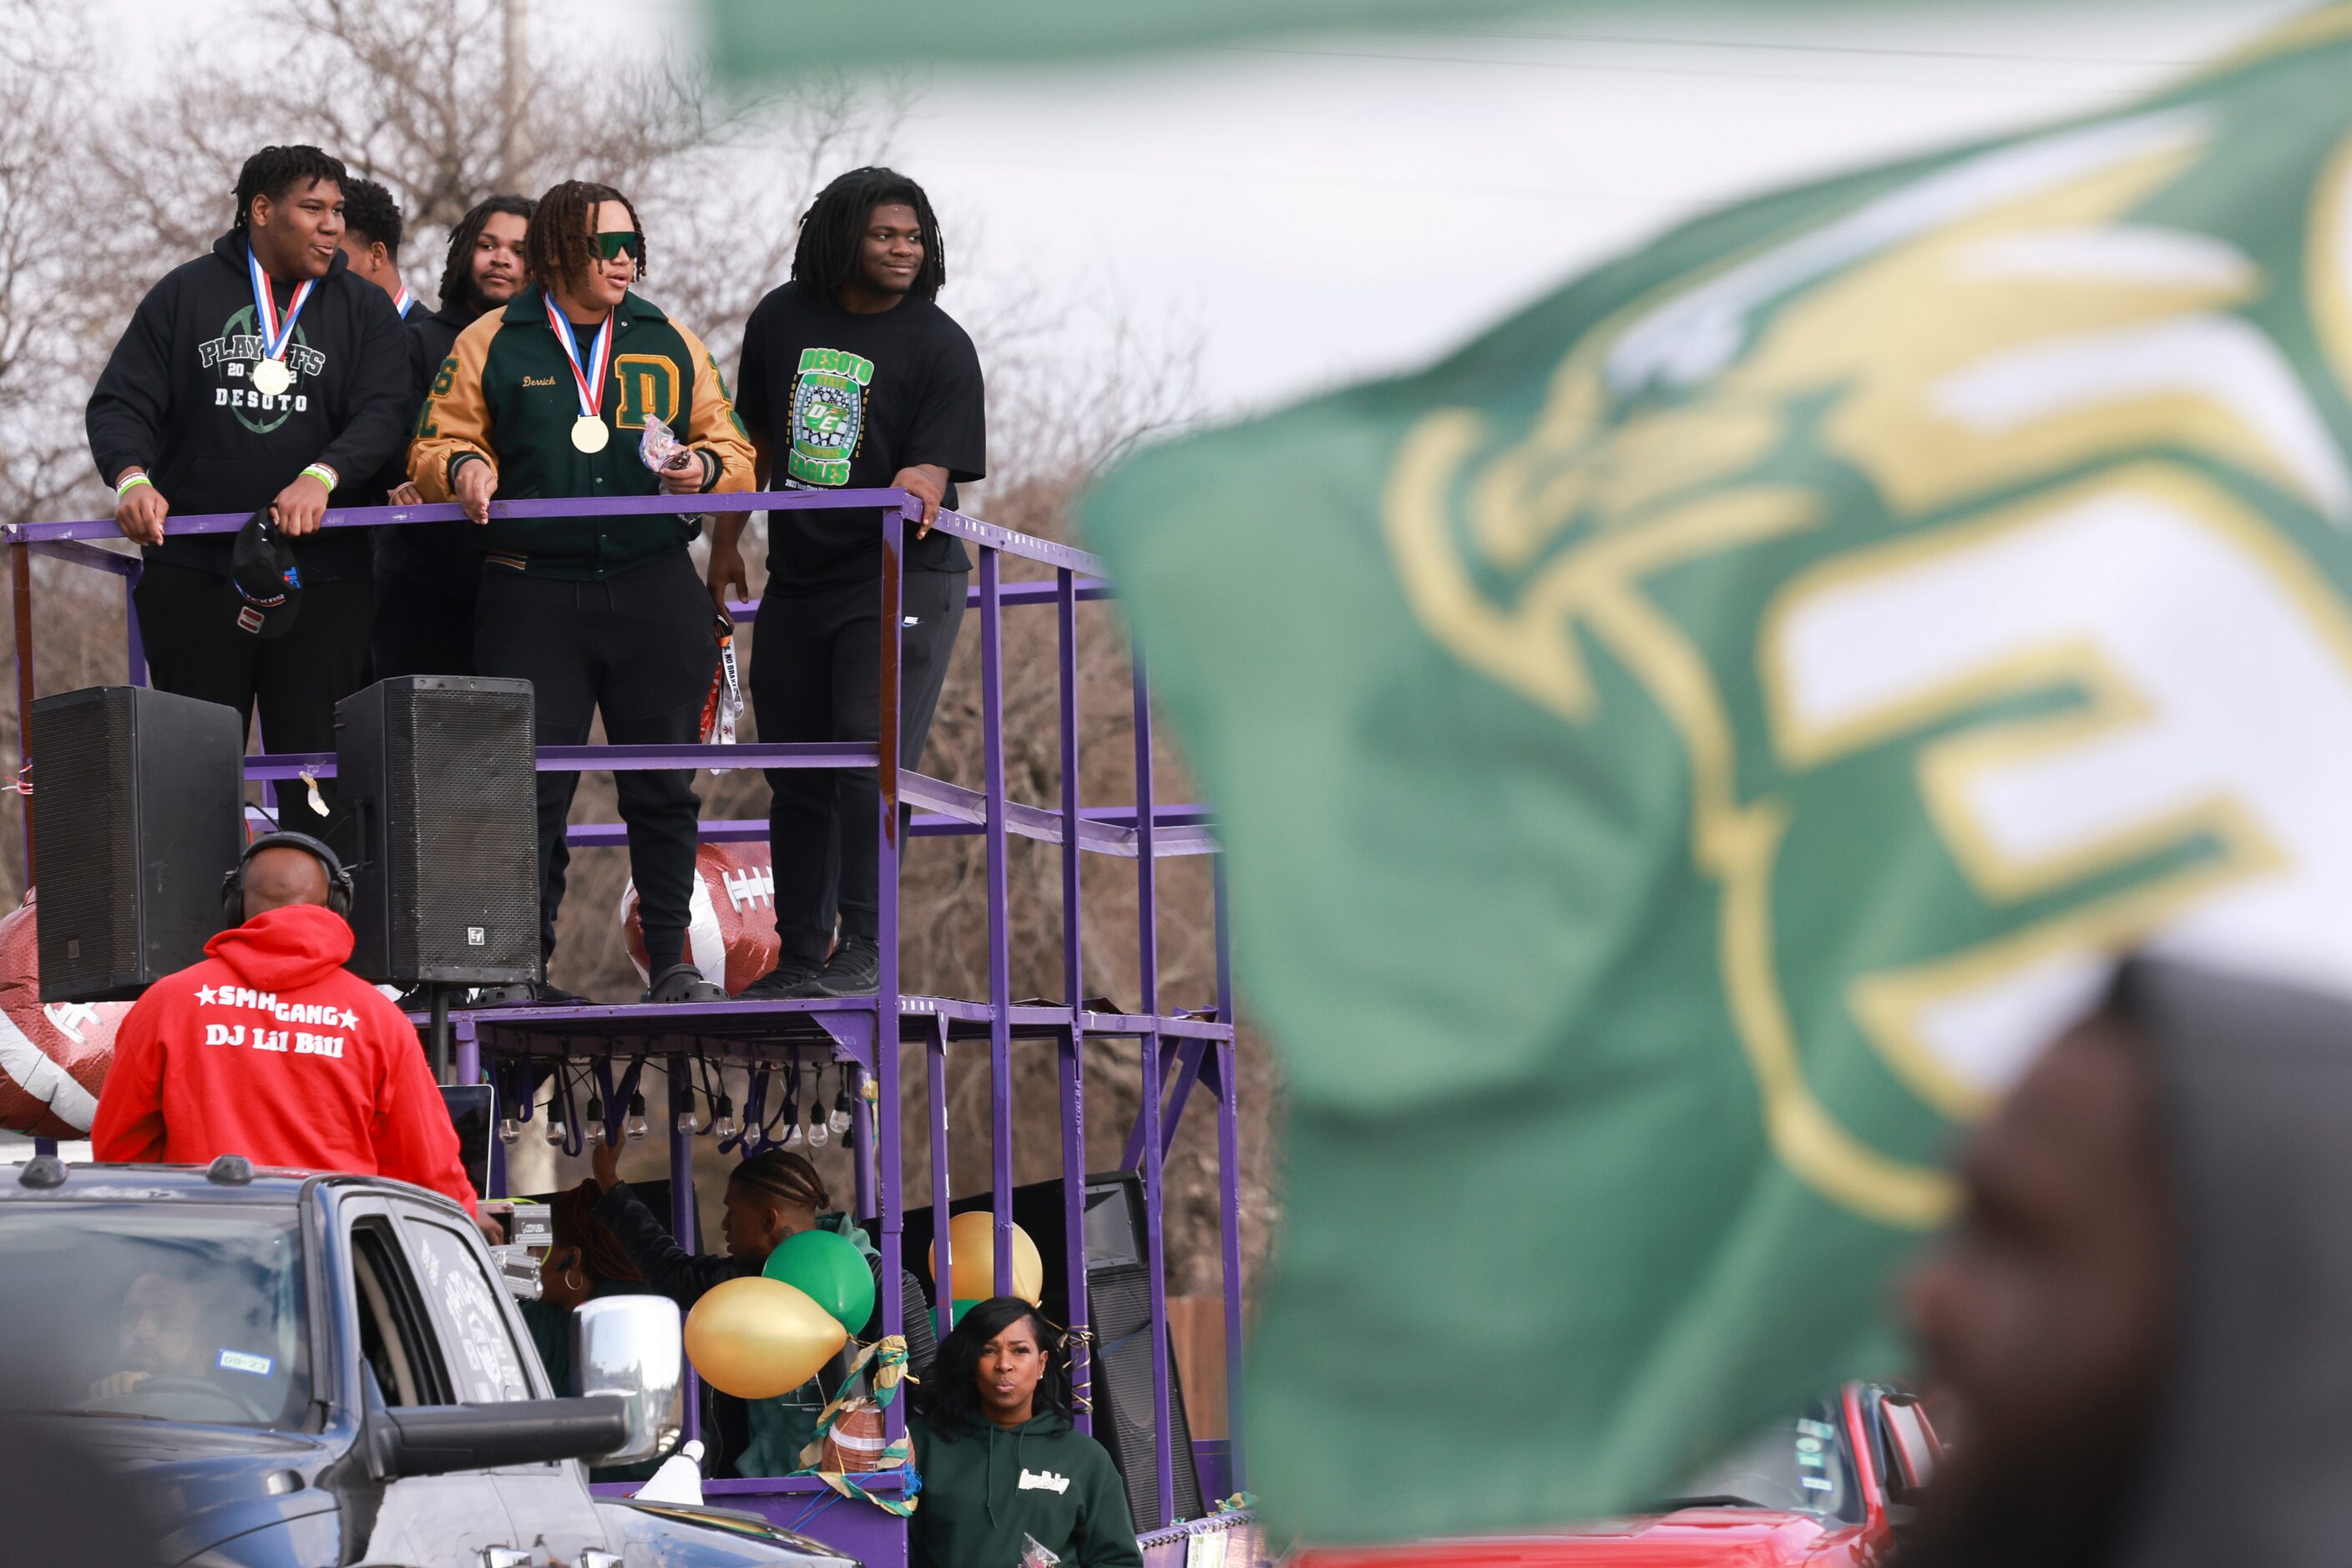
x=438 y=773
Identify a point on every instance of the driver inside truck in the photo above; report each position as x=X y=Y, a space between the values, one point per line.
x=161 y=1334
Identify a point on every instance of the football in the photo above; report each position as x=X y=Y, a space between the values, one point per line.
x=53 y=1056
x=730 y=936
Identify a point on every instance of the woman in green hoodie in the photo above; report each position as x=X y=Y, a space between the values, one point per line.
x=1001 y=1462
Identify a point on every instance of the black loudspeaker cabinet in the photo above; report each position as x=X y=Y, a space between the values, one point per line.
x=437 y=774
x=139 y=814
x=1118 y=1303
x=1118 y=1297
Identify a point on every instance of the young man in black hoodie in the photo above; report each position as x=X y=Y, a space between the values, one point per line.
x=372 y=228
x=852 y=378
x=427 y=575
x=261 y=375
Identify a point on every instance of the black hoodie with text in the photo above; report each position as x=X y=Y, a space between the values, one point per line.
x=177 y=399
x=2252 y=1459
x=988 y=1491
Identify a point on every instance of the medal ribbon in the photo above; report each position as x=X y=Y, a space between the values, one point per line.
x=591 y=380
x=401 y=303
x=274 y=336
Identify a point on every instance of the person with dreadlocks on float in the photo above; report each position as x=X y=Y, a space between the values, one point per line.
x=427 y=575
x=773 y=1194
x=551 y=396
x=852 y=377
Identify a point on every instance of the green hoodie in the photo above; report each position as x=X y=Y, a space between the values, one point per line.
x=985 y=1490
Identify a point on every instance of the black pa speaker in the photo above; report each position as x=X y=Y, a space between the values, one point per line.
x=139 y=814
x=438 y=771
x=1118 y=1303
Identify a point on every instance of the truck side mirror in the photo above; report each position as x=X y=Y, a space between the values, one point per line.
x=436 y=1439
x=1912 y=1446
x=633 y=1348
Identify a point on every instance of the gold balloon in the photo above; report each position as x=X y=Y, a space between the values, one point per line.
x=756 y=1338
x=972 y=1237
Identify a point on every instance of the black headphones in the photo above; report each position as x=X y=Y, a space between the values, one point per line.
x=338 y=881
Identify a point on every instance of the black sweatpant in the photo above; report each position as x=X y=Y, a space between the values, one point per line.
x=420 y=630
x=195 y=650
x=816 y=676
x=639 y=645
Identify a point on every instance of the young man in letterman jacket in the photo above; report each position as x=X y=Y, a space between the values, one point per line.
x=215 y=402
x=549 y=397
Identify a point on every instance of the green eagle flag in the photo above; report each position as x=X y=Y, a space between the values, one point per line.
x=1682 y=754
x=752 y=41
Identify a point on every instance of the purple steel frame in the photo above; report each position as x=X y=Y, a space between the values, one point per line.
x=522 y=1047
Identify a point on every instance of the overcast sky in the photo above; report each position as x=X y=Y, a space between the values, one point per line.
x=1302 y=212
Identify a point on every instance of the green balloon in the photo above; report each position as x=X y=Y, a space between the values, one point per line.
x=956 y=1312
x=831 y=1272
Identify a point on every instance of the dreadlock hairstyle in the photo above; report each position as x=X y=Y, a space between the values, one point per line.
x=950 y=1396
x=825 y=258
x=781 y=1176
x=274 y=171
x=561 y=247
x=573 y=1216
x=370 y=211
x=458 y=272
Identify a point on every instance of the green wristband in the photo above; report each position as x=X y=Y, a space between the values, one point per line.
x=127 y=486
x=324 y=475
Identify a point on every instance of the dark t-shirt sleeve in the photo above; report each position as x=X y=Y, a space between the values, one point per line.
x=672 y=1272
x=752 y=404
x=950 y=424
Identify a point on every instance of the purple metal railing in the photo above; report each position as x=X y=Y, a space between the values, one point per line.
x=1176 y=1049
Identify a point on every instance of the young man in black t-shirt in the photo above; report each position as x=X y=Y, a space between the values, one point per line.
x=263 y=373
x=852 y=378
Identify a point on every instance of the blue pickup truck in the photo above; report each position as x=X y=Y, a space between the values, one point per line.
x=302 y=1371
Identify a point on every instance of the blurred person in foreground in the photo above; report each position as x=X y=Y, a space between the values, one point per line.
x=72 y=1502
x=2143 y=1322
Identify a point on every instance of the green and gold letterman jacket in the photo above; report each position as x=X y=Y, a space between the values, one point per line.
x=506 y=395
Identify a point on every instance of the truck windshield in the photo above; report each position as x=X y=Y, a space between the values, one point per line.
x=167 y=1311
x=1801 y=1465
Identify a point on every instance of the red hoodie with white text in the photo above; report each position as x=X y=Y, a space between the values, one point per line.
x=270 y=1048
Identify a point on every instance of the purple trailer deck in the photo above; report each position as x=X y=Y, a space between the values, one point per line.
x=1175 y=1047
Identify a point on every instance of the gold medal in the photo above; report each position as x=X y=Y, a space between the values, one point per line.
x=589 y=433
x=270 y=376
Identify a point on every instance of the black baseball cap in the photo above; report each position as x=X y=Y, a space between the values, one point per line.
x=265 y=590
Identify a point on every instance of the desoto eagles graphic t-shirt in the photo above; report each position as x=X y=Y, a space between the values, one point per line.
x=844 y=400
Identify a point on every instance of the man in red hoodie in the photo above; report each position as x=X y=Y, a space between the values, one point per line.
x=270 y=1048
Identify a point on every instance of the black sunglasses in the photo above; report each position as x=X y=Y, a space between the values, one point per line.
x=617 y=243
